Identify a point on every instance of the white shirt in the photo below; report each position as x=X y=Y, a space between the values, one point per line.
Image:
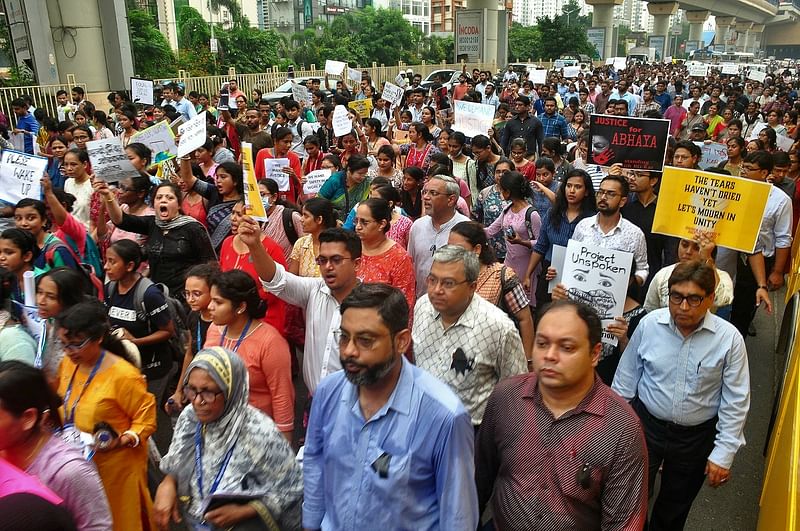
x=658 y=292
x=423 y=240
x=491 y=347
x=776 y=225
x=322 y=314
x=625 y=236
x=83 y=199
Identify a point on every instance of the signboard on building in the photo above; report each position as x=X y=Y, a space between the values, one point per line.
x=692 y=46
x=658 y=42
x=469 y=34
x=597 y=38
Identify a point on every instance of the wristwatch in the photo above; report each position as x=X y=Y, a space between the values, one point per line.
x=763 y=287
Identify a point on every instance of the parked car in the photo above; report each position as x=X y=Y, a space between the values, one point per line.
x=285 y=89
x=445 y=75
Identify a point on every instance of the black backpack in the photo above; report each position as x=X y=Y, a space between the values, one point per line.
x=288 y=224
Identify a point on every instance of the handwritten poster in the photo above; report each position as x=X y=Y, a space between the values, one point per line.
x=730 y=207
x=730 y=69
x=598 y=277
x=571 y=71
x=109 y=160
x=334 y=68
x=159 y=139
x=273 y=169
x=637 y=143
x=757 y=75
x=142 y=91
x=713 y=154
x=620 y=63
x=473 y=119
x=20 y=176
x=354 y=75
x=253 y=205
x=341 y=121
x=538 y=77
x=193 y=134
x=362 y=107
x=392 y=93
x=698 y=70
x=315 y=180
x=300 y=93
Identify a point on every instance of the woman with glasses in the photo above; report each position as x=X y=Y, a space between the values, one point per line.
x=241 y=109
x=237 y=312
x=383 y=259
x=222 y=444
x=104 y=391
x=489 y=205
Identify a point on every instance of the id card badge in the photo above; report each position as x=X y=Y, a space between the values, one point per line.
x=71 y=435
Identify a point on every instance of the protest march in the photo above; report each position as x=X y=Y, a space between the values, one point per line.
x=357 y=307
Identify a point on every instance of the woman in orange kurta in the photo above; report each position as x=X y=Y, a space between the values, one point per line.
x=99 y=386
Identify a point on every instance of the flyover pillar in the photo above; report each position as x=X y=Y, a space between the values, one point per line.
x=696 y=20
x=742 y=34
x=753 y=43
x=724 y=24
x=661 y=13
x=603 y=17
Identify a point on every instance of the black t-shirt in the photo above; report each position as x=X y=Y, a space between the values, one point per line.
x=141 y=322
x=192 y=322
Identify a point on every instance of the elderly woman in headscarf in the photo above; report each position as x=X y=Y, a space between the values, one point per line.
x=228 y=462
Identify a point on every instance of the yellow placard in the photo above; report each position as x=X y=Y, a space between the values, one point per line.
x=362 y=107
x=729 y=207
x=253 y=206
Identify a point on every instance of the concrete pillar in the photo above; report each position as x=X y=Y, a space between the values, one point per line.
x=495 y=48
x=661 y=14
x=723 y=29
x=742 y=29
x=603 y=17
x=696 y=20
x=753 y=42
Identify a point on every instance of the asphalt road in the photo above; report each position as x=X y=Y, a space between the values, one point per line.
x=734 y=507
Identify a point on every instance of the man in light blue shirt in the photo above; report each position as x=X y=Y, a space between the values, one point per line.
x=685 y=373
x=181 y=104
x=388 y=446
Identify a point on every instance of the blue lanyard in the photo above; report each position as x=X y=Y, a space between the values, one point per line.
x=241 y=336
x=70 y=417
x=198 y=463
x=199 y=346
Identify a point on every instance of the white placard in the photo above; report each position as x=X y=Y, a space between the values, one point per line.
x=713 y=154
x=142 y=91
x=784 y=143
x=757 y=75
x=668 y=59
x=571 y=71
x=273 y=169
x=341 y=121
x=610 y=60
x=538 y=77
x=730 y=69
x=353 y=74
x=760 y=126
x=20 y=176
x=557 y=262
x=299 y=93
x=392 y=93
x=18 y=141
x=315 y=180
x=620 y=63
x=193 y=134
x=473 y=119
x=158 y=138
x=699 y=70
x=400 y=80
x=334 y=68
x=598 y=277
x=109 y=160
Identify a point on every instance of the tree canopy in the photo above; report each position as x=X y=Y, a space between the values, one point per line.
x=551 y=36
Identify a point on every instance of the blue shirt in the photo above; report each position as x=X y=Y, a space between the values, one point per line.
x=664 y=99
x=689 y=380
x=550 y=235
x=28 y=123
x=186 y=108
x=430 y=472
x=556 y=126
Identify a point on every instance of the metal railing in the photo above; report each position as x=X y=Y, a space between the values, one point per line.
x=268 y=81
x=44 y=96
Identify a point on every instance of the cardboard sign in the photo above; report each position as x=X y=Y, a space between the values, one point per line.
x=273 y=169
x=159 y=139
x=400 y=137
x=730 y=207
x=362 y=107
x=20 y=176
x=620 y=63
x=400 y=80
x=142 y=91
x=193 y=134
x=559 y=253
x=392 y=93
x=700 y=70
x=637 y=143
x=598 y=277
x=300 y=93
x=253 y=206
x=713 y=154
x=571 y=71
x=354 y=75
x=610 y=60
x=341 y=121
x=473 y=119
x=315 y=180
x=109 y=160
x=757 y=75
x=334 y=68
x=538 y=77
x=730 y=69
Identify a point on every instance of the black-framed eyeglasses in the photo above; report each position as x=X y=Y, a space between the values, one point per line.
x=446 y=283
x=206 y=396
x=678 y=298
x=335 y=260
x=607 y=193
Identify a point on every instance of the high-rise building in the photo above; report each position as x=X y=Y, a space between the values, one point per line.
x=443 y=14
x=526 y=12
x=416 y=12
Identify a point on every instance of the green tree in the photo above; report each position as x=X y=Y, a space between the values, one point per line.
x=193 y=31
x=250 y=49
x=152 y=55
x=557 y=38
x=524 y=43
x=437 y=49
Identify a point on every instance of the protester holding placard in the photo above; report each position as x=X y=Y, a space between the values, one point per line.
x=282 y=138
x=419 y=150
x=78 y=183
x=347 y=188
x=284 y=223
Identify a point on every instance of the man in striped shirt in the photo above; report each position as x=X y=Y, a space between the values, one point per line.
x=557 y=449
